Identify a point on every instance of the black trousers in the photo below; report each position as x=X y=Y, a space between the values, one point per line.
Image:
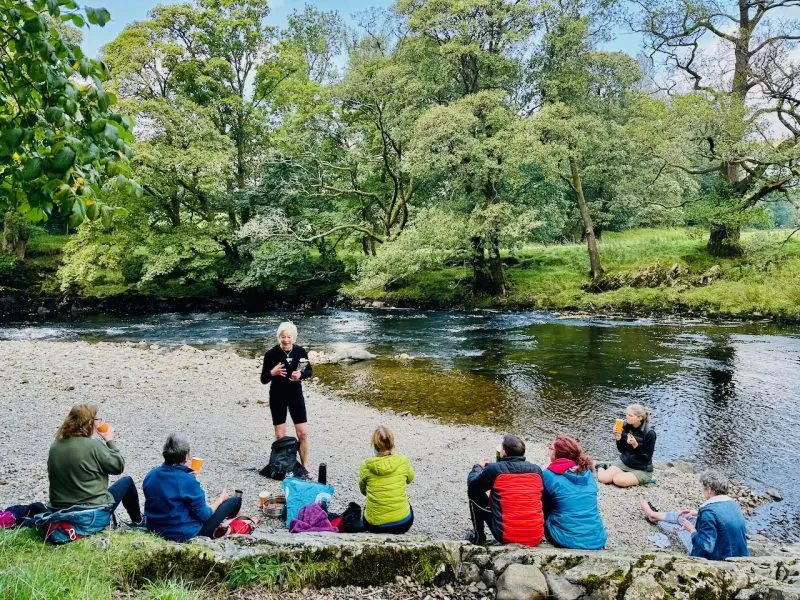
x=479 y=513
x=227 y=510
x=399 y=528
x=124 y=491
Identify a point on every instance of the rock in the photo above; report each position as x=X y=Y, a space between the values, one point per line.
x=481 y=586
x=470 y=572
x=645 y=587
x=681 y=465
x=561 y=589
x=489 y=578
x=775 y=494
x=503 y=559
x=521 y=582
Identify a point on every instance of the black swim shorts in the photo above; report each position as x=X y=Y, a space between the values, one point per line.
x=296 y=406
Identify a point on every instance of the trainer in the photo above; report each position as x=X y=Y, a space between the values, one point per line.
x=284 y=366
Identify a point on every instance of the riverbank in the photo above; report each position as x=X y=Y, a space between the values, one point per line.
x=216 y=398
x=649 y=272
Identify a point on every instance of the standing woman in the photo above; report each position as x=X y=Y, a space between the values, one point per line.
x=284 y=366
x=79 y=464
x=636 y=444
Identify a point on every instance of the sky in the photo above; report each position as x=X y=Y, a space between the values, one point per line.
x=127 y=11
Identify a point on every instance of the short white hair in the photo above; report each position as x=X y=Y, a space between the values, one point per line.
x=287 y=326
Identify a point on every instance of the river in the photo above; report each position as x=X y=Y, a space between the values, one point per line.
x=721 y=394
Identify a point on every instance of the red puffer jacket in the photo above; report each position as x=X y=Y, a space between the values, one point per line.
x=516 y=499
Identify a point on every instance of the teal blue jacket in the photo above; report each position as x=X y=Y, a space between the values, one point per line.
x=572 y=518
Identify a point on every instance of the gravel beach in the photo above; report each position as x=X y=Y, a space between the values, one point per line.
x=216 y=398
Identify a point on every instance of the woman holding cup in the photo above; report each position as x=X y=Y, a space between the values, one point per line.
x=284 y=366
x=636 y=442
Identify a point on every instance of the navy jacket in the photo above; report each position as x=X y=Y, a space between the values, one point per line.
x=174 y=503
x=720 y=530
x=284 y=387
x=570 y=505
x=516 y=499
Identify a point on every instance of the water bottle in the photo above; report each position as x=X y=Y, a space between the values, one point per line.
x=323 y=473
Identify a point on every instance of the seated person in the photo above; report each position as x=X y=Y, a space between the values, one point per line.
x=717 y=530
x=175 y=504
x=383 y=479
x=78 y=466
x=506 y=495
x=636 y=444
x=569 y=499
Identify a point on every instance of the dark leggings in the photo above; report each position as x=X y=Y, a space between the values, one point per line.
x=227 y=510
x=399 y=528
x=124 y=491
x=480 y=514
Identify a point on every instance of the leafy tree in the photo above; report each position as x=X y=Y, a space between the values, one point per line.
x=60 y=140
x=736 y=56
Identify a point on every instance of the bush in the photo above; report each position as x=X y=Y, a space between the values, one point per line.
x=8 y=268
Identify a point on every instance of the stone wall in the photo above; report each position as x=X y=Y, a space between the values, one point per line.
x=286 y=561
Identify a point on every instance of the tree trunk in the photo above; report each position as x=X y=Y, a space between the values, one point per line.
x=596 y=269
x=724 y=241
x=13 y=240
x=487 y=278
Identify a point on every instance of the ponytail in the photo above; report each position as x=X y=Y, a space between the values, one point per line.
x=566 y=447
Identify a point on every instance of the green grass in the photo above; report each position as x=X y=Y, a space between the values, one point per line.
x=82 y=570
x=765 y=282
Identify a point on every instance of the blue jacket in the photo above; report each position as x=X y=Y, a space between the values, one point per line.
x=174 y=503
x=570 y=507
x=720 y=530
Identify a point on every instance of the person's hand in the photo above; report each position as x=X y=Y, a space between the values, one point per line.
x=617 y=435
x=687 y=513
x=686 y=525
x=223 y=495
x=108 y=434
x=632 y=441
x=278 y=370
x=296 y=375
x=484 y=462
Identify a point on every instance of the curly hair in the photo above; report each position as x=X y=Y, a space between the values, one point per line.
x=566 y=447
x=79 y=422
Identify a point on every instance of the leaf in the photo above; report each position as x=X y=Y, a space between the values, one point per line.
x=12 y=138
x=84 y=67
x=33 y=169
x=111 y=133
x=77 y=20
x=54 y=114
x=63 y=160
x=34 y=25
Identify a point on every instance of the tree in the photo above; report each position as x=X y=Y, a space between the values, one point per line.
x=736 y=56
x=60 y=140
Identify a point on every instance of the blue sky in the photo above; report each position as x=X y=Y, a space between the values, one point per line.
x=127 y=11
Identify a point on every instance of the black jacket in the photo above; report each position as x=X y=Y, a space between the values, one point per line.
x=283 y=386
x=641 y=457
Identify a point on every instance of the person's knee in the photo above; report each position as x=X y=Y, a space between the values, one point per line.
x=302 y=435
x=604 y=476
x=625 y=480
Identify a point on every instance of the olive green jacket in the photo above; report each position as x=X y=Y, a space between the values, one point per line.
x=78 y=469
x=383 y=481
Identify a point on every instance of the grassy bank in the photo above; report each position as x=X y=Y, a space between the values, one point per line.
x=96 y=568
x=764 y=282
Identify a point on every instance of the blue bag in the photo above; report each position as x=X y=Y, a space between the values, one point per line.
x=300 y=492
x=72 y=523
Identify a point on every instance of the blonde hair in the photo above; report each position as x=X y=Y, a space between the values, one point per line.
x=79 y=422
x=640 y=411
x=287 y=326
x=383 y=441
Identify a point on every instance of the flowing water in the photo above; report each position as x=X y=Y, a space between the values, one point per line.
x=722 y=395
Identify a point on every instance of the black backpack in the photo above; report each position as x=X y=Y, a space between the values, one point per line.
x=283 y=460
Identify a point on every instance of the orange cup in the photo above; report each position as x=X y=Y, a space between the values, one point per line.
x=618 y=425
x=262 y=499
x=103 y=427
x=197 y=464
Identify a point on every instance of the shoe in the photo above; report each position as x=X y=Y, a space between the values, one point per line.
x=603 y=466
x=474 y=538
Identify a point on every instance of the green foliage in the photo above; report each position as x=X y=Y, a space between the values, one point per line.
x=60 y=141
x=8 y=268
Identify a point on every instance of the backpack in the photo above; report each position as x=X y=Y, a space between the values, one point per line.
x=239 y=525
x=299 y=493
x=283 y=460
x=73 y=523
x=350 y=521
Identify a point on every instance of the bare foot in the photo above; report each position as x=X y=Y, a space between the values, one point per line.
x=649 y=514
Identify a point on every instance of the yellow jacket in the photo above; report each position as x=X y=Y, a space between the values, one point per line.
x=383 y=481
